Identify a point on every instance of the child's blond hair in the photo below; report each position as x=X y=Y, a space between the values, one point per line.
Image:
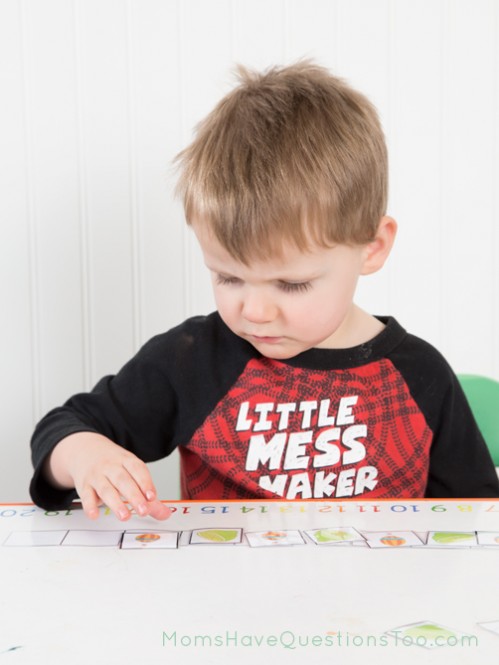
x=292 y=154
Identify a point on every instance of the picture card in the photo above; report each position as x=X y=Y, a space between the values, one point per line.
x=92 y=538
x=488 y=538
x=224 y=536
x=355 y=543
x=35 y=538
x=149 y=540
x=493 y=626
x=391 y=539
x=451 y=539
x=343 y=535
x=426 y=634
x=274 y=538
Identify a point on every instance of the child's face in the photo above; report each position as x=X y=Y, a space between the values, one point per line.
x=288 y=305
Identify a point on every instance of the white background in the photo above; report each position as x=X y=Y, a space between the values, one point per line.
x=97 y=97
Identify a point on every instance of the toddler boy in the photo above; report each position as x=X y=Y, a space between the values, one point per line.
x=289 y=390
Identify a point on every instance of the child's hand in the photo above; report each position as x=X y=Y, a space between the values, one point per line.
x=103 y=472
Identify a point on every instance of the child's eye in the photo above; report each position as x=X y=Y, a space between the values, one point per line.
x=224 y=279
x=295 y=287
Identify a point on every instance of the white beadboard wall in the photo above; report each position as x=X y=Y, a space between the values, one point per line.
x=96 y=98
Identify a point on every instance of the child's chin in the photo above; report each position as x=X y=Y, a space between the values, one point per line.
x=276 y=352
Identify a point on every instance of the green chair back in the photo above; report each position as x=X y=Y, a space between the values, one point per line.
x=482 y=394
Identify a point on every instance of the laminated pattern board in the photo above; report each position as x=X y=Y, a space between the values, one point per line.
x=315 y=581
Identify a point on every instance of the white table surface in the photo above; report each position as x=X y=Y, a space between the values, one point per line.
x=110 y=605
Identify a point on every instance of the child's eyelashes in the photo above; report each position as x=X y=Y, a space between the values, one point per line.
x=223 y=279
x=296 y=287
x=287 y=287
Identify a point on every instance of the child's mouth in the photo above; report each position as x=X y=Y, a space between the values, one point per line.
x=265 y=339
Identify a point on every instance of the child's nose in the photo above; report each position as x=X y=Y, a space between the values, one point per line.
x=257 y=308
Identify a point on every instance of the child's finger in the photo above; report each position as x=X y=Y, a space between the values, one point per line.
x=158 y=510
x=112 y=497
x=90 y=502
x=140 y=474
x=124 y=490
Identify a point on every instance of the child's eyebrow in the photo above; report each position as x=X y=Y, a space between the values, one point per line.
x=218 y=270
x=286 y=277
x=280 y=276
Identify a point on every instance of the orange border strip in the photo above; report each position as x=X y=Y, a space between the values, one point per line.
x=436 y=500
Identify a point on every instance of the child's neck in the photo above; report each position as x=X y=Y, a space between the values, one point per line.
x=358 y=328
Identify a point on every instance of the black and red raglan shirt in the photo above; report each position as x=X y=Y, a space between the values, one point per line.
x=385 y=419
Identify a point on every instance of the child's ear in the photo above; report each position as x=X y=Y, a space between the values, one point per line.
x=377 y=251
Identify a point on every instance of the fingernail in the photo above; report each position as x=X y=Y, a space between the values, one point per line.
x=142 y=509
x=150 y=495
x=123 y=514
